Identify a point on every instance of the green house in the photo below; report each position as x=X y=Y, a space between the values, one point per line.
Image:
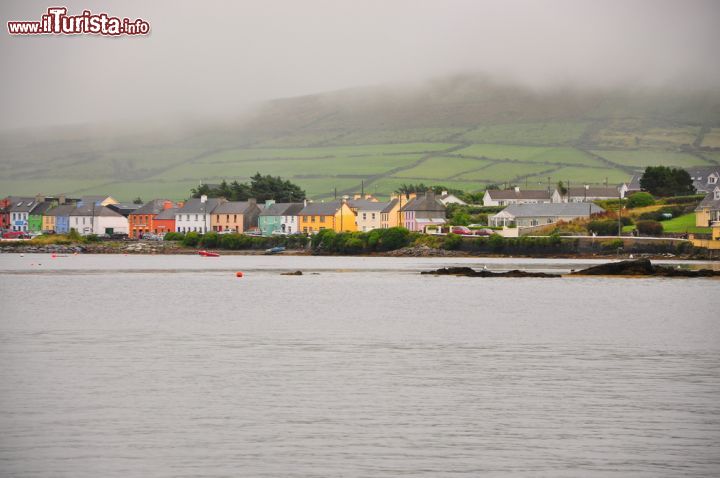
x=276 y=217
x=35 y=218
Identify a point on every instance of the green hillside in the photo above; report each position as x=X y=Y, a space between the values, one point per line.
x=463 y=132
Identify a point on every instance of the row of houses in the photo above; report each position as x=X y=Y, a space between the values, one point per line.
x=104 y=215
x=506 y=197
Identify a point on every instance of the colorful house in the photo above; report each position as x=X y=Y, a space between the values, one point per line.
x=708 y=211
x=35 y=218
x=58 y=219
x=195 y=215
x=165 y=221
x=141 y=221
x=390 y=215
x=423 y=211
x=368 y=213
x=236 y=216
x=279 y=218
x=96 y=219
x=335 y=215
x=19 y=211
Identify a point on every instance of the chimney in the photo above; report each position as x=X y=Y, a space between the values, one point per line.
x=252 y=202
x=370 y=197
x=411 y=196
x=444 y=193
x=61 y=199
x=357 y=196
x=39 y=198
x=517 y=189
x=180 y=204
x=269 y=202
x=167 y=205
x=203 y=198
x=304 y=202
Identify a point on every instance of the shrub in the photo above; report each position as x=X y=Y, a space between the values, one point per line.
x=209 y=239
x=74 y=236
x=91 y=238
x=613 y=245
x=694 y=199
x=649 y=228
x=640 y=199
x=452 y=242
x=173 y=236
x=394 y=238
x=191 y=239
x=603 y=227
x=496 y=242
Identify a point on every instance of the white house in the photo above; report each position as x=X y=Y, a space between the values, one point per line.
x=368 y=213
x=289 y=222
x=505 y=197
x=19 y=210
x=95 y=219
x=447 y=198
x=528 y=215
x=195 y=215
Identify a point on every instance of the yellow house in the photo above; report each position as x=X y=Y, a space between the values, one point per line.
x=708 y=211
x=335 y=215
x=390 y=215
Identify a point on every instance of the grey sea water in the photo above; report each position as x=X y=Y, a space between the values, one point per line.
x=159 y=366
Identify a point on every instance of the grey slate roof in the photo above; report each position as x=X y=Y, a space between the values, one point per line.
x=366 y=205
x=151 y=207
x=168 y=213
x=553 y=209
x=320 y=209
x=522 y=194
x=21 y=204
x=390 y=205
x=94 y=210
x=63 y=210
x=195 y=206
x=42 y=208
x=700 y=175
x=709 y=201
x=427 y=202
x=281 y=208
x=232 y=207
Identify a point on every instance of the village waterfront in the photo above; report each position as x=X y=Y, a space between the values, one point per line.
x=142 y=365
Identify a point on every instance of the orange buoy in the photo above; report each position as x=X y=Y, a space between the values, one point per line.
x=53 y=256
x=238 y=274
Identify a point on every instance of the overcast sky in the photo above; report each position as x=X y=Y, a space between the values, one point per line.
x=213 y=57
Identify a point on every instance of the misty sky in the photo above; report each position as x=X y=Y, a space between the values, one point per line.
x=215 y=57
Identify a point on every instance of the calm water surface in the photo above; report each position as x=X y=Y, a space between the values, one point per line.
x=171 y=366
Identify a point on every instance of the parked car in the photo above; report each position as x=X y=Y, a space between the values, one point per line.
x=15 y=235
x=253 y=231
x=483 y=232
x=461 y=230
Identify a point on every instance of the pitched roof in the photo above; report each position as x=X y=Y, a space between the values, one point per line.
x=42 y=208
x=166 y=214
x=95 y=198
x=366 y=205
x=21 y=204
x=608 y=192
x=282 y=209
x=94 y=210
x=151 y=207
x=709 y=201
x=390 y=205
x=519 y=194
x=63 y=210
x=320 y=209
x=194 y=205
x=428 y=202
x=233 y=207
x=553 y=209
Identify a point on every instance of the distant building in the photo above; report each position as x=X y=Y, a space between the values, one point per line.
x=367 y=213
x=142 y=219
x=390 y=215
x=335 y=215
x=237 y=216
x=505 y=197
x=92 y=218
x=595 y=193
x=528 y=215
x=422 y=211
x=447 y=198
x=195 y=215
x=708 y=211
x=279 y=218
x=35 y=218
x=18 y=211
x=705 y=179
x=58 y=219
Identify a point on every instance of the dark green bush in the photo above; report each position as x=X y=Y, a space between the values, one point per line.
x=603 y=227
x=209 y=240
x=173 y=236
x=649 y=228
x=452 y=242
x=191 y=239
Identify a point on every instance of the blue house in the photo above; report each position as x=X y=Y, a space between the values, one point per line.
x=62 y=217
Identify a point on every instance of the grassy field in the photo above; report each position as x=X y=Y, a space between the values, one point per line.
x=548 y=133
x=577 y=176
x=679 y=225
x=535 y=154
x=642 y=159
x=442 y=168
x=712 y=138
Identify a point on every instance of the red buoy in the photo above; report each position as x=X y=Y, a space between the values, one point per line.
x=238 y=274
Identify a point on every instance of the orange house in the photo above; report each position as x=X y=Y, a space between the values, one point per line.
x=142 y=220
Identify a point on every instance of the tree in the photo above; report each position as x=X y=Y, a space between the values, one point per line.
x=664 y=181
x=138 y=200
x=649 y=228
x=271 y=187
x=202 y=190
x=561 y=188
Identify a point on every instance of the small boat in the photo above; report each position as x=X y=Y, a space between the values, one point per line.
x=275 y=250
x=208 y=254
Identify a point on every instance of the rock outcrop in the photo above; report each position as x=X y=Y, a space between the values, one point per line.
x=469 y=272
x=642 y=267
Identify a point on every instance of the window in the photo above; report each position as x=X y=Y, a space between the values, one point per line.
x=712 y=179
x=235 y=218
x=364 y=216
x=322 y=218
x=187 y=217
x=312 y=218
x=227 y=218
x=196 y=217
x=717 y=193
x=533 y=222
x=373 y=216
